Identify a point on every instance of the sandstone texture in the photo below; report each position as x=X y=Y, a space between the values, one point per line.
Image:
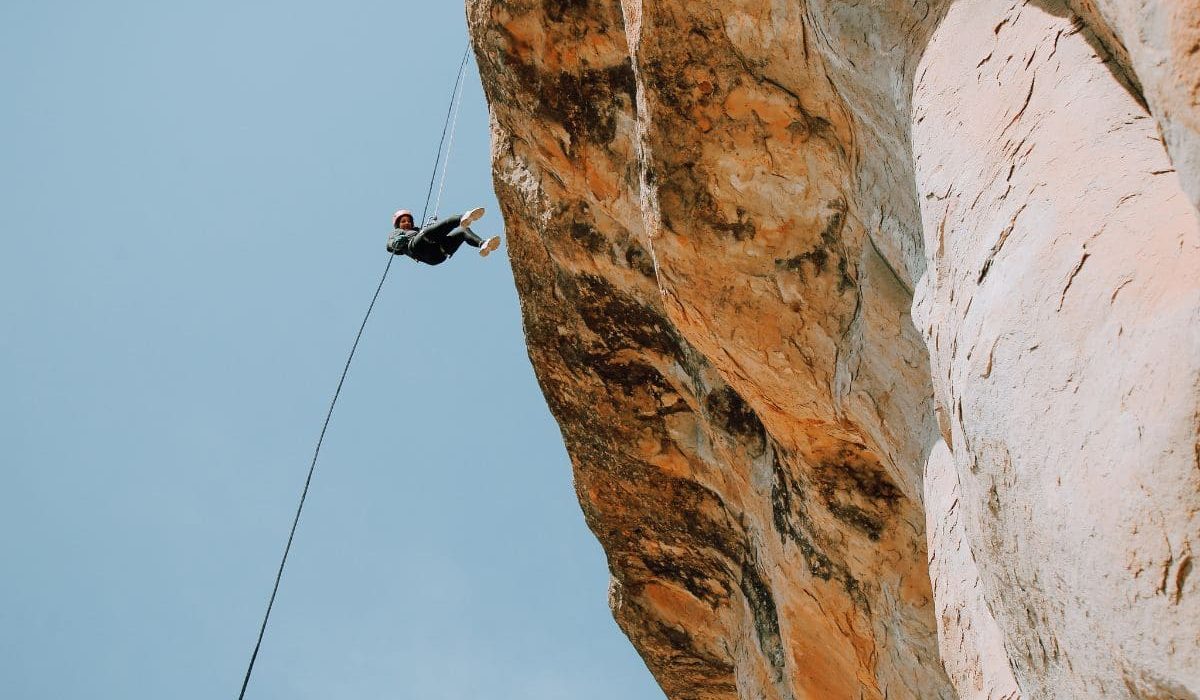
x=971 y=642
x=873 y=331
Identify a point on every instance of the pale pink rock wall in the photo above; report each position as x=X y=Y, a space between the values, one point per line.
x=972 y=644
x=1062 y=311
x=1157 y=43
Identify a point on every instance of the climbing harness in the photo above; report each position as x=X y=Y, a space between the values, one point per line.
x=450 y=124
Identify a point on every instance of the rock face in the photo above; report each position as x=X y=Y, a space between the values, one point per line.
x=1062 y=310
x=723 y=217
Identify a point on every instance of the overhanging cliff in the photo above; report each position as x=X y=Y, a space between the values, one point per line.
x=720 y=215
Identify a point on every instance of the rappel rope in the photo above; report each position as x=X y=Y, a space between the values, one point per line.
x=437 y=207
x=450 y=124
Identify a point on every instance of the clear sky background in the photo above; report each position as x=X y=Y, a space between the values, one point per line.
x=195 y=197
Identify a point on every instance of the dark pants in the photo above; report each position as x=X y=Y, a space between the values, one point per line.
x=440 y=240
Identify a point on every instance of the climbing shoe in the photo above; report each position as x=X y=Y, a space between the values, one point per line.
x=488 y=246
x=471 y=217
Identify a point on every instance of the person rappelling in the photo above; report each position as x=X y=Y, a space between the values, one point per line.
x=432 y=244
x=436 y=243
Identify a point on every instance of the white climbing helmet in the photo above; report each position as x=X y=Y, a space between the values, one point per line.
x=402 y=212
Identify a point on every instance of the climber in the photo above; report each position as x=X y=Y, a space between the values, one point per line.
x=436 y=243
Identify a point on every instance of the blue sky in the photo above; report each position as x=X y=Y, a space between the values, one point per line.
x=195 y=201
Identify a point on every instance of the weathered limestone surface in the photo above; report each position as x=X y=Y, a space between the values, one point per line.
x=971 y=642
x=1156 y=44
x=1062 y=306
x=719 y=212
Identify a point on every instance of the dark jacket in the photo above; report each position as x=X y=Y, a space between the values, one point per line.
x=402 y=242
x=399 y=241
